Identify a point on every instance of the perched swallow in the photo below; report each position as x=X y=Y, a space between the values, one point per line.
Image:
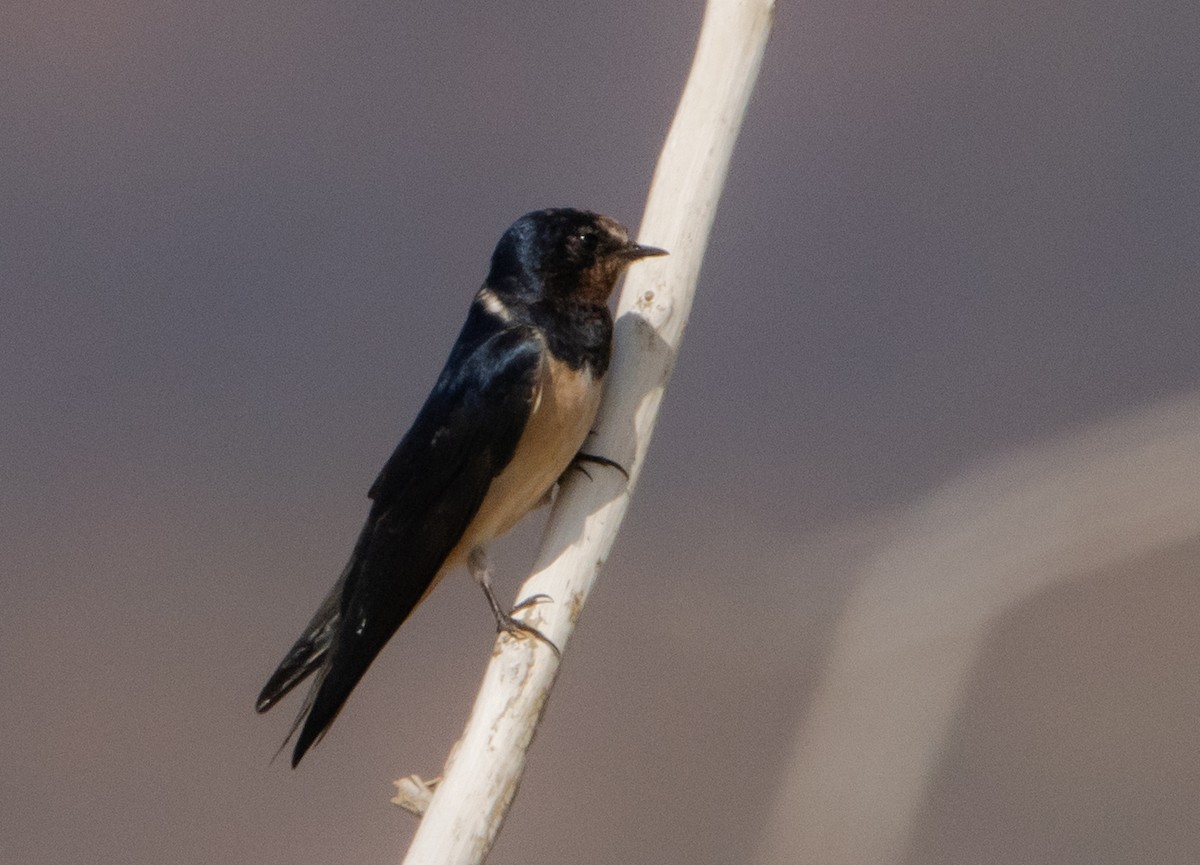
x=505 y=420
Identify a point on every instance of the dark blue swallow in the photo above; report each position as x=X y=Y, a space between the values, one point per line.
x=505 y=420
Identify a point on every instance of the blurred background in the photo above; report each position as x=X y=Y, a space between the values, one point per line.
x=910 y=574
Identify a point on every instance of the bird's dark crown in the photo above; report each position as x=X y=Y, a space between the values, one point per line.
x=563 y=254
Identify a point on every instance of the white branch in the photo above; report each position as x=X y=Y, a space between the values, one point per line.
x=485 y=767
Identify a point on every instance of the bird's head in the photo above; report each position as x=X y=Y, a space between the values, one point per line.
x=565 y=254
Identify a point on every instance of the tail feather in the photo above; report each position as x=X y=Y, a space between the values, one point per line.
x=304 y=709
x=345 y=655
x=311 y=655
x=324 y=702
x=306 y=656
x=380 y=592
x=384 y=581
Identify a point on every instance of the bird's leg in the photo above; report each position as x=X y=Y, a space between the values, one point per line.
x=477 y=564
x=581 y=458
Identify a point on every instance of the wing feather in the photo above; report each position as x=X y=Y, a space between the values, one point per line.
x=422 y=503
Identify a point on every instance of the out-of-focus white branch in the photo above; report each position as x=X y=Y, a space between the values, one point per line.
x=465 y=812
x=930 y=596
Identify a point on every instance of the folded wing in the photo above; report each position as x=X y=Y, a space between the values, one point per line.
x=422 y=502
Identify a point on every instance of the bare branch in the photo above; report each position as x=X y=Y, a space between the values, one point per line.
x=469 y=805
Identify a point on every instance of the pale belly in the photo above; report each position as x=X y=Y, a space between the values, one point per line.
x=564 y=408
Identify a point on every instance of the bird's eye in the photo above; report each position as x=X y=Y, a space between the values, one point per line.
x=585 y=240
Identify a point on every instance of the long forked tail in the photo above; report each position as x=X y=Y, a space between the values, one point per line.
x=311 y=654
x=372 y=596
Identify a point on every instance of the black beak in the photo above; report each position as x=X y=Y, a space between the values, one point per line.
x=634 y=251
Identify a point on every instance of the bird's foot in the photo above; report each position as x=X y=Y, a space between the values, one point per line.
x=506 y=624
x=581 y=458
x=477 y=564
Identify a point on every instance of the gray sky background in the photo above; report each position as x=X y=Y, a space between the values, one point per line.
x=238 y=239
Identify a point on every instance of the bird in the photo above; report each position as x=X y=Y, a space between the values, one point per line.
x=505 y=420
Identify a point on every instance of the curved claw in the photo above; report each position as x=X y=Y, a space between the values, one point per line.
x=581 y=457
x=532 y=601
